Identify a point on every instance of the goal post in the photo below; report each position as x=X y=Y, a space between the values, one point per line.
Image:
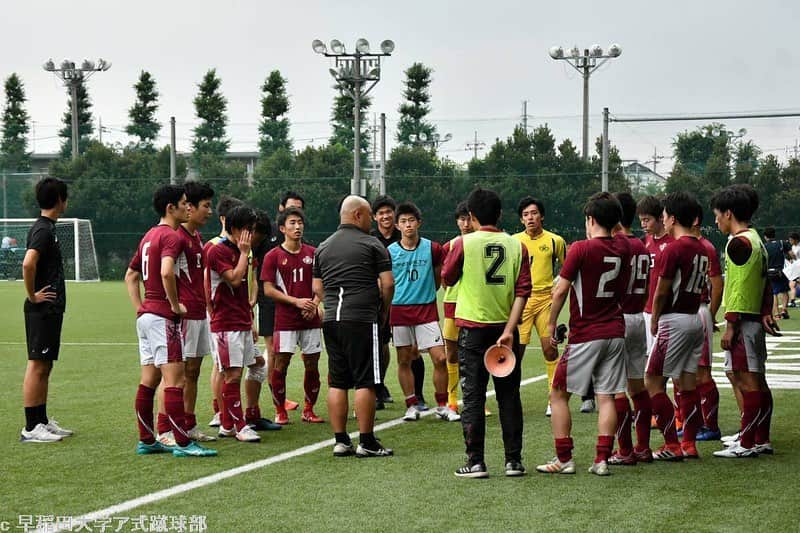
x=75 y=237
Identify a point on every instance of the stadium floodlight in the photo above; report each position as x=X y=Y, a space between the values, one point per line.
x=447 y=137
x=374 y=73
x=87 y=65
x=614 y=50
x=387 y=46
x=423 y=137
x=49 y=66
x=362 y=46
x=318 y=46
x=337 y=47
x=575 y=52
x=556 y=52
x=596 y=50
x=413 y=137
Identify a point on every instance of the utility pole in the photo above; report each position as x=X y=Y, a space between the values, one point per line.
x=656 y=158
x=173 y=164
x=383 y=155
x=374 y=130
x=475 y=146
x=604 y=172
x=525 y=116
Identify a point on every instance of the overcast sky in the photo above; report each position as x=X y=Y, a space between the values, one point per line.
x=678 y=57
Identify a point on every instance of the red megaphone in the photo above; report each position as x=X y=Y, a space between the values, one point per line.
x=499 y=360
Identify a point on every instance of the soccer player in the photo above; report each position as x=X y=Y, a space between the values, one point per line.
x=748 y=312
x=546 y=249
x=677 y=329
x=493 y=270
x=450 y=330
x=158 y=325
x=231 y=318
x=633 y=302
x=43 y=275
x=287 y=277
x=596 y=273
x=414 y=316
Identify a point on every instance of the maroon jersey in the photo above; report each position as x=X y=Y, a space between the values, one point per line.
x=292 y=274
x=714 y=269
x=159 y=242
x=685 y=262
x=654 y=248
x=635 y=297
x=230 y=308
x=191 y=266
x=598 y=270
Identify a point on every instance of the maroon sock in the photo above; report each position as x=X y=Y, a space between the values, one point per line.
x=173 y=403
x=411 y=400
x=624 y=425
x=665 y=417
x=251 y=414
x=277 y=382
x=692 y=417
x=190 y=421
x=750 y=416
x=144 y=413
x=215 y=405
x=311 y=386
x=643 y=412
x=441 y=398
x=604 y=445
x=709 y=404
x=676 y=404
x=232 y=405
x=162 y=426
x=762 y=428
x=564 y=449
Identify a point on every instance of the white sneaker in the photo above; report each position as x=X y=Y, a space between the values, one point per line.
x=600 y=469
x=736 y=452
x=729 y=438
x=557 y=467
x=412 y=413
x=38 y=434
x=341 y=449
x=214 y=423
x=447 y=414
x=765 y=448
x=198 y=436
x=53 y=427
x=731 y=443
x=226 y=432
x=549 y=410
x=167 y=439
x=247 y=434
x=587 y=406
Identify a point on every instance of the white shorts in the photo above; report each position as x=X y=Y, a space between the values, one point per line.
x=600 y=363
x=708 y=335
x=160 y=340
x=309 y=340
x=234 y=349
x=635 y=345
x=648 y=335
x=678 y=346
x=196 y=338
x=748 y=349
x=423 y=336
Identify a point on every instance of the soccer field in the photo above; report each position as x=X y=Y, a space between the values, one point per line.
x=296 y=485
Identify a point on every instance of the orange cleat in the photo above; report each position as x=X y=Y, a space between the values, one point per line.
x=289 y=405
x=309 y=416
x=690 y=450
x=282 y=418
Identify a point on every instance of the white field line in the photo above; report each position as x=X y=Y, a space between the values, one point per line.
x=115 y=510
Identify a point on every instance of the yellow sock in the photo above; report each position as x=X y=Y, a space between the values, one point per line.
x=452 y=383
x=551 y=371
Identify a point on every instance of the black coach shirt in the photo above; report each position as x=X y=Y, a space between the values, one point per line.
x=349 y=262
x=50 y=268
x=273 y=240
x=393 y=238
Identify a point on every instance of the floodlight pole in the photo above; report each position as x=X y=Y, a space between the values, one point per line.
x=604 y=175
x=173 y=164
x=382 y=186
x=73 y=86
x=355 y=184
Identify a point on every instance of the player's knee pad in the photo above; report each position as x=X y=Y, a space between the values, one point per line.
x=257 y=373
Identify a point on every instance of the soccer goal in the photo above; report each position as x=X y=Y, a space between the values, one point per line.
x=74 y=237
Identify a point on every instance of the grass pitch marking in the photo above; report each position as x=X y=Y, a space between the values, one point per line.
x=249 y=467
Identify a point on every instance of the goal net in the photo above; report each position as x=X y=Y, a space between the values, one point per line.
x=74 y=237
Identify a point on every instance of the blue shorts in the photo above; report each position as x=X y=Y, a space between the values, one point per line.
x=780 y=285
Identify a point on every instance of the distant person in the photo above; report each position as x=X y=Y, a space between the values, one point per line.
x=794 y=281
x=777 y=253
x=43 y=275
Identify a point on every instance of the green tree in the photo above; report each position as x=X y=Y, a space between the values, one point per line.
x=143 y=123
x=767 y=182
x=342 y=120
x=416 y=105
x=702 y=162
x=210 y=107
x=85 y=125
x=745 y=162
x=14 y=155
x=274 y=128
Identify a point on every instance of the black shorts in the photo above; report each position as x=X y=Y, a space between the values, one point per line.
x=43 y=335
x=353 y=354
x=266 y=318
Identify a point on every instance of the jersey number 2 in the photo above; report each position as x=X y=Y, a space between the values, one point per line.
x=499 y=254
x=611 y=275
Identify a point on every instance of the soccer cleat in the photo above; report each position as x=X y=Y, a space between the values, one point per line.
x=588 y=406
x=341 y=449
x=514 y=469
x=363 y=452
x=247 y=434
x=412 y=413
x=421 y=405
x=478 y=470
x=167 y=439
x=785 y=315
x=549 y=410
x=309 y=416
x=618 y=459
x=706 y=434
x=214 y=423
x=198 y=436
x=453 y=407
x=736 y=451
x=600 y=469
x=193 y=450
x=690 y=450
x=289 y=405
x=53 y=427
x=447 y=414
x=282 y=418
x=668 y=452
x=264 y=424
x=38 y=434
x=224 y=433
x=148 y=449
x=729 y=438
x=765 y=448
x=379 y=405
x=643 y=456
x=557 y=467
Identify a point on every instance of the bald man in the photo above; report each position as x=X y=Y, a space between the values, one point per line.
x=352 y=270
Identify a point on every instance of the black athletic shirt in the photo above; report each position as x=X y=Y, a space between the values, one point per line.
x=273 y=240
x=393 y=238
x=50 y=268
